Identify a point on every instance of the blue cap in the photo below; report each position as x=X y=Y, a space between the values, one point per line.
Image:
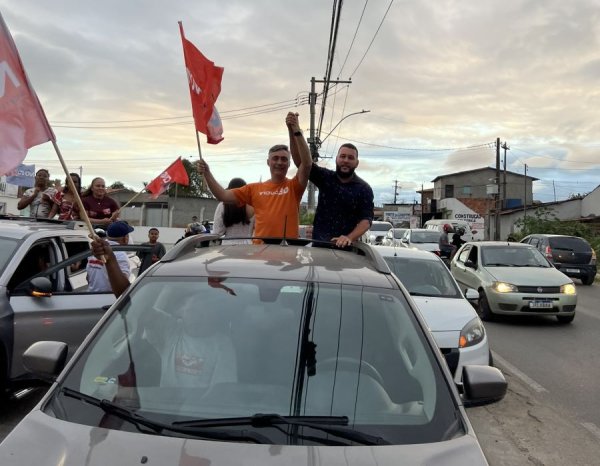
x=118 y=229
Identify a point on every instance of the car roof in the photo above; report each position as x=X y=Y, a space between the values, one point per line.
x=389 y=251
x=21 y=227
x=501 y=243
x=360 y=266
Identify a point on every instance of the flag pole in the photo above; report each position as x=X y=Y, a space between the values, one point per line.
x=131 y=200
x=82 y=213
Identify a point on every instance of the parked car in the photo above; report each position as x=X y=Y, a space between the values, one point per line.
x=377 y=232
x=514 y=279
x=43 y=291
x=572 y=255
x=420 y=238
x=221 y=353
x=458 y=331
x=393 y=237
x=469 y=235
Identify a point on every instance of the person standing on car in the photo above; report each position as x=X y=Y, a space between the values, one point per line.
x=39 y=198
x=158 y=250
x=345 y=204
x=276 y=202
x=65 y=202
x=102 y=209
x=231 y=220
x=97 y=276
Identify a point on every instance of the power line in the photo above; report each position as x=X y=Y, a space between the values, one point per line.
x=372 y=40
x=354 y=37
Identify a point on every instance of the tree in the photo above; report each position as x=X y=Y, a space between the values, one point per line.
x=117 y=185
x=196 y=188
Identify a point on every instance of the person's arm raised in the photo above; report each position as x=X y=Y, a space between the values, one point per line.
x=222 y=194
x=298 y=144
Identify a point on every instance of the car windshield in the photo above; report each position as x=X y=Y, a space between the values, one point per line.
x=185 y=350
x=8 y=246
x=424 y=236
x=399 y=233
x=424 y=277
x=507 y=256
x=380 y=226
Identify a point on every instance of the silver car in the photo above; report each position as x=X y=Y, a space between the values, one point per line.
x=393 y=237
x=423 y=239
x=514 y=279
x=453 y=321
x=264 y=354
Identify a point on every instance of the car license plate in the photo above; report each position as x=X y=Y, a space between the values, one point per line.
x=540 y=304
x=572 y=270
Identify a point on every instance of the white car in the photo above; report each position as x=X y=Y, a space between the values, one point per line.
x=393 y=237
x=452 y=320
x=377 y=232
x=420 y=238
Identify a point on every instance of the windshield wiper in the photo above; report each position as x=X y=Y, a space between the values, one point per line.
x=323 y=423
x=155 y=427
x=499 y=264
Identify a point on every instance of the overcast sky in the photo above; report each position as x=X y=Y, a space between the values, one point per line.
x=438 y=76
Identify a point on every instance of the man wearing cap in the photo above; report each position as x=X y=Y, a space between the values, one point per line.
x=118 y=235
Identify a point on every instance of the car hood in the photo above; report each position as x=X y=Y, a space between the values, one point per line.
x=528 y=276
x=445 y=314
x=71 y=444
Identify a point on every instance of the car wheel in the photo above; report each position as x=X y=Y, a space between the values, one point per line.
x=483 y=308
x=566 y=319
x=587 y=280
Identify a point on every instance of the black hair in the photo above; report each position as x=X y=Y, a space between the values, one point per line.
x=66 y=187
x=233 y=214
x=349 y=146
x=153 y=229
x=88 y=191
x=43 y=170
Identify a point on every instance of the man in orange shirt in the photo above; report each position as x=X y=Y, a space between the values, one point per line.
x=276 y=201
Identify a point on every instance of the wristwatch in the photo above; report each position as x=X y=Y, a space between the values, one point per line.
x=297 y=133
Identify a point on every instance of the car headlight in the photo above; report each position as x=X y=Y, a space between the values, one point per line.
x=569 y=288
x=471 y=334
x=503 y=287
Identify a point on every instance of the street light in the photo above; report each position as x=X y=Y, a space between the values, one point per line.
x=339 y=122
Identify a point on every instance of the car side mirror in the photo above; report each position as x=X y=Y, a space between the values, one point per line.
x=46 y=359
x=470 y=264
x=482 y=385
x=471 y=295
x=40 y=287
x=404 y=240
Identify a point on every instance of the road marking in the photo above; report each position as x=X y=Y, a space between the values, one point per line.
x=593 y=428
x=517 y=373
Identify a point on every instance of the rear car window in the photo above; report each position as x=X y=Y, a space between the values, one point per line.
x=569 y=243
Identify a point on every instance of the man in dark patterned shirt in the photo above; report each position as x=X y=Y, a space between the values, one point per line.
x=345 y=204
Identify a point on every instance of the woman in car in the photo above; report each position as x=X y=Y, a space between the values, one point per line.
x=64 y=201
x=38 y=198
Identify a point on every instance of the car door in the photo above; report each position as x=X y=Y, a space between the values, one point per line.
x=464 y=275
x=66 y=314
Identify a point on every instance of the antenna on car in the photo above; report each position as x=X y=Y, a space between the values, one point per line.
x=284 y=241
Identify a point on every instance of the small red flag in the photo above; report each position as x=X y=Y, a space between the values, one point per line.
x=23 y=123
x=205 y=86
x=175 y=173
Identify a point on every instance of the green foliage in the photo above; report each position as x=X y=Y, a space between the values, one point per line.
x=197 y=186
x=306 y=217
x=117 y=185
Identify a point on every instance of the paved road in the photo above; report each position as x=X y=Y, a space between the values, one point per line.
x=551 y=415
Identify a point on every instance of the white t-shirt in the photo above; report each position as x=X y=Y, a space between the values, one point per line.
x=98 y=277
x=41 y=205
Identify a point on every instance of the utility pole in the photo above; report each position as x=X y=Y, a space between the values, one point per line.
x=525 y=198
x=497 y=216
x=505 y=147
x=314 y=141
x=396 y=187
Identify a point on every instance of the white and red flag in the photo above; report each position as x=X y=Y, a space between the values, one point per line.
x=204 y=80
x=175 y=173
x=23 y=123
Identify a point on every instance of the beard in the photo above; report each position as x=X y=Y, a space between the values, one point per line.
x=344 y=175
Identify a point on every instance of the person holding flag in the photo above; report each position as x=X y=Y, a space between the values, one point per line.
x=276 y=201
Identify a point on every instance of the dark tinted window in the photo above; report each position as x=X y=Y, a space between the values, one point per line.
x=569 y=243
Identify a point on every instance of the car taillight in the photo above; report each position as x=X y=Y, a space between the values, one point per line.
x=548 y=253
x=593 y=261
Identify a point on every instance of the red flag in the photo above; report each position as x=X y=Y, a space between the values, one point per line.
x=205 y=86
x=23 y=123
x=175 y=173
